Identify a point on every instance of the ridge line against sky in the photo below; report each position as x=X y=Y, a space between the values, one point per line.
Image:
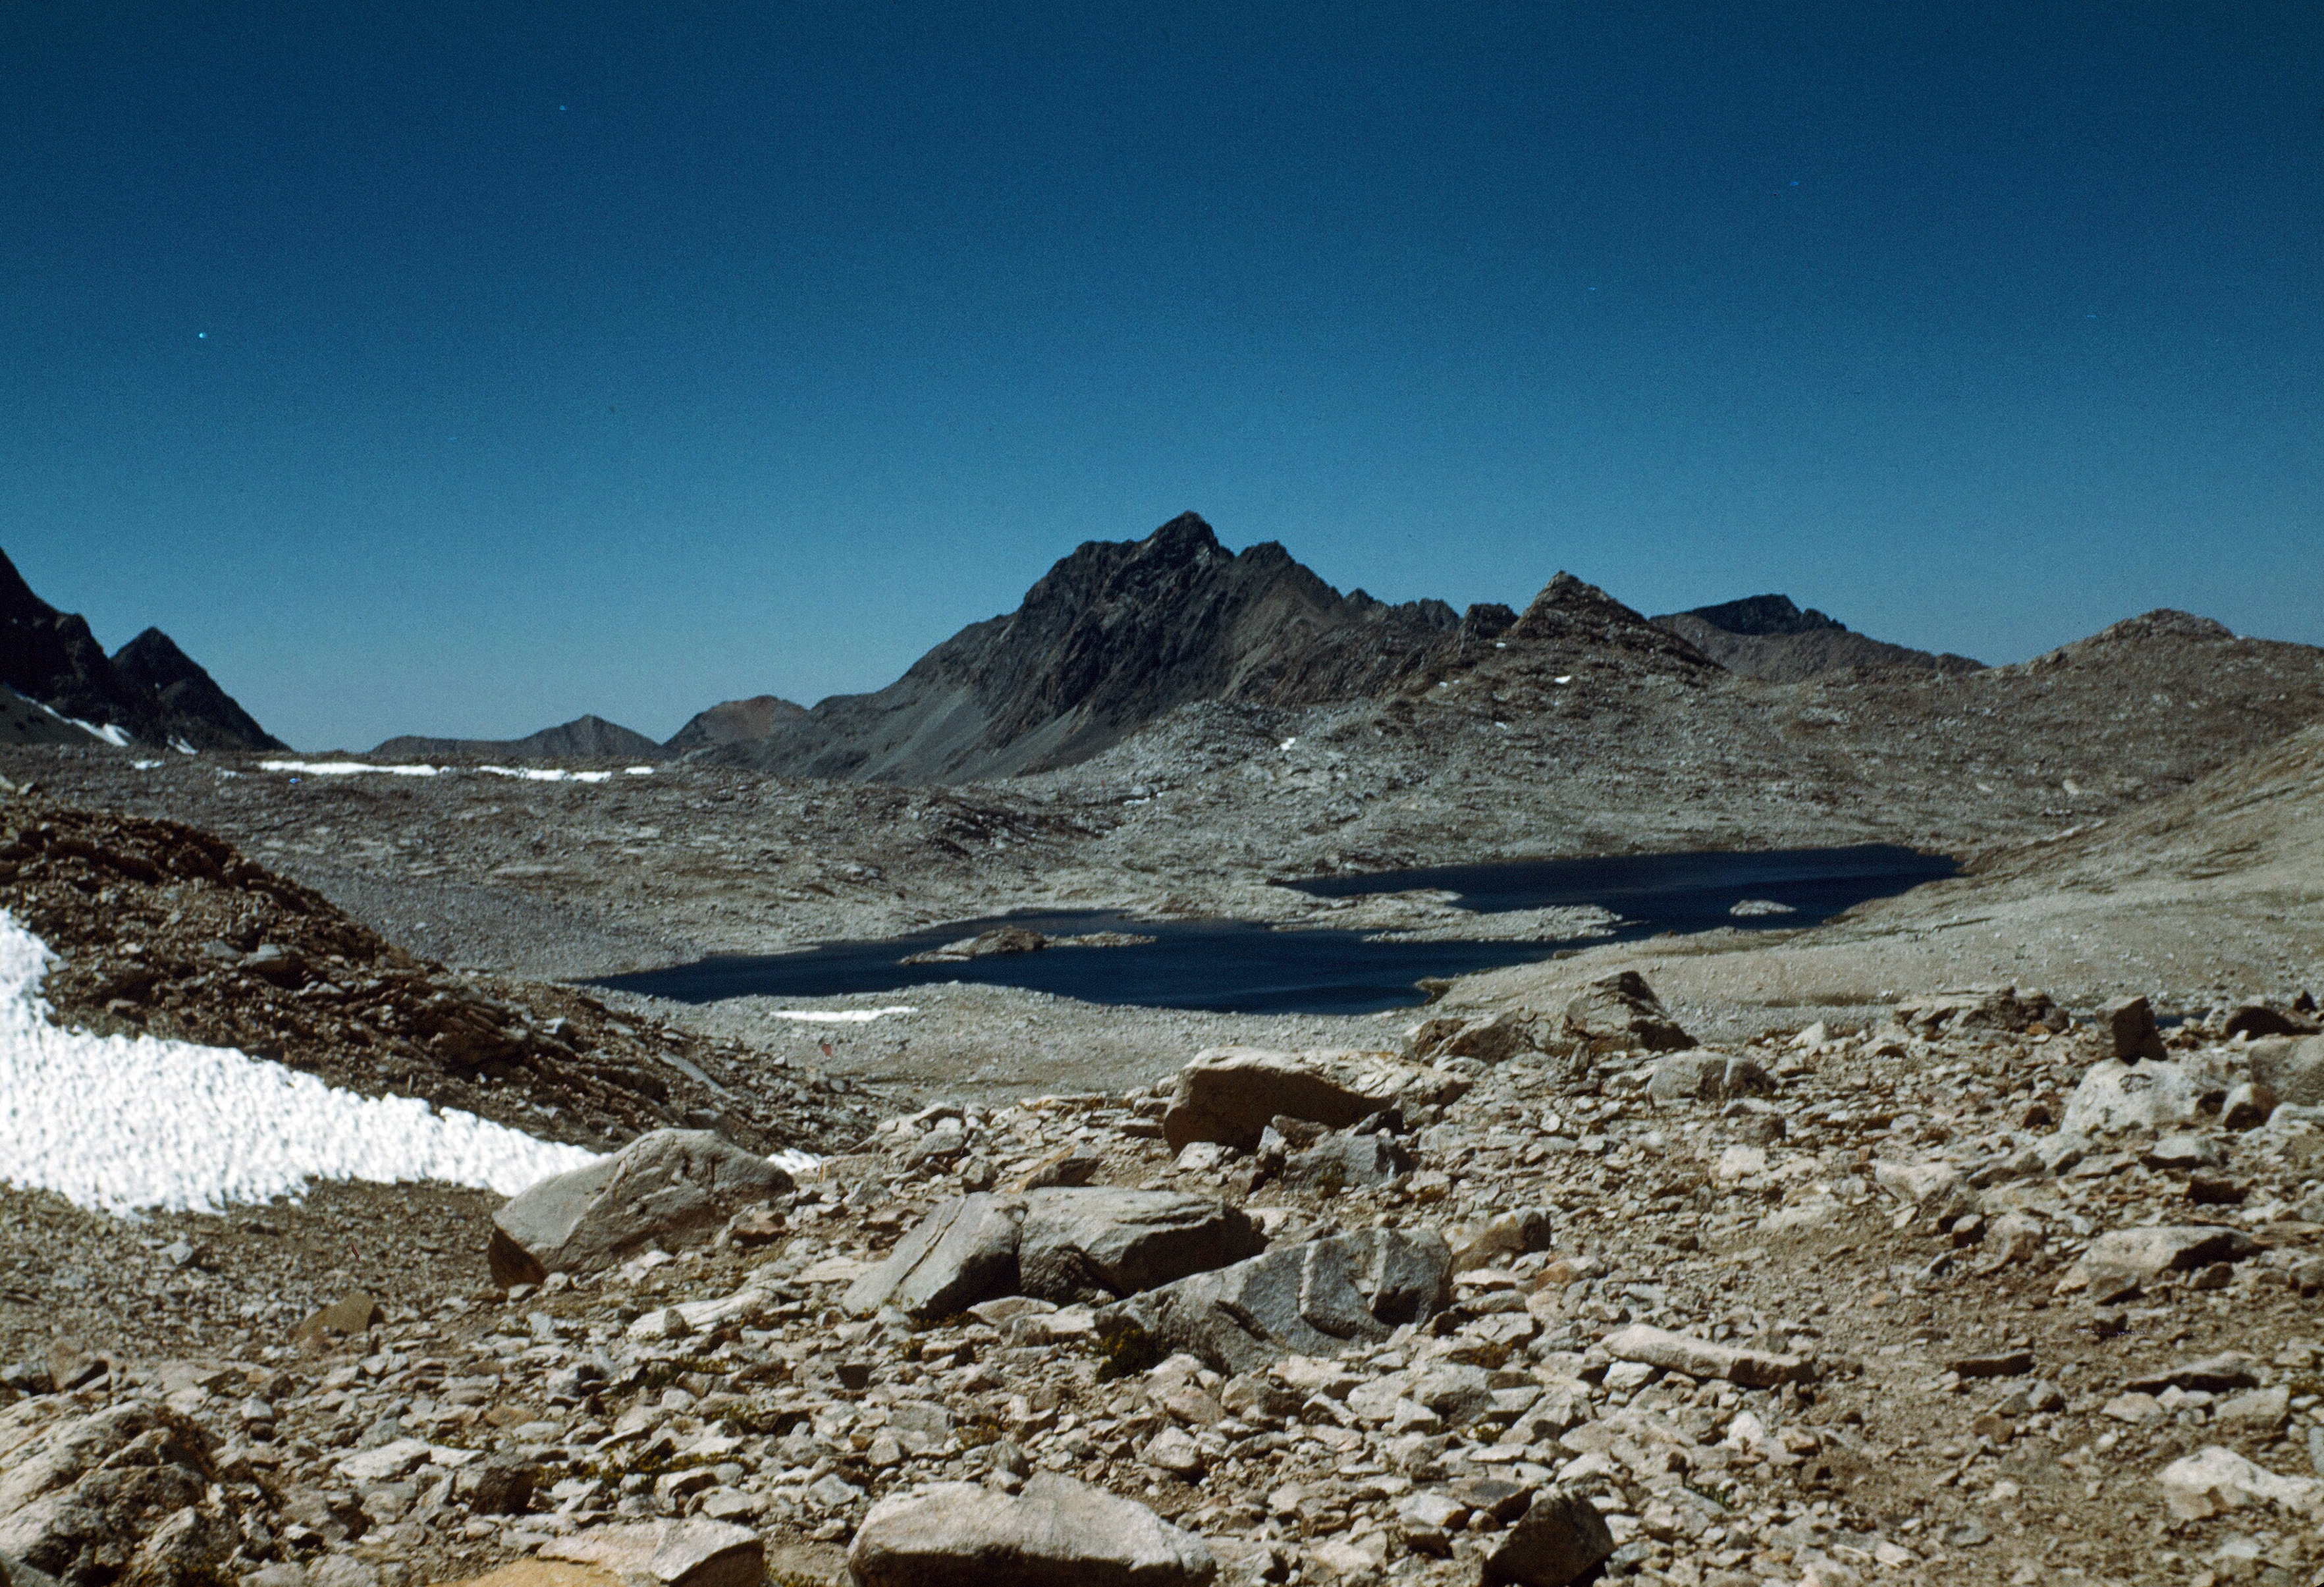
x=427 y=372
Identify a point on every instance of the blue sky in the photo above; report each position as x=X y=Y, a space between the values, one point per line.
x=424 y=370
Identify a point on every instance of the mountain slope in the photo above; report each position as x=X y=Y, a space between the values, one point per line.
x=584 y=738
x=150 y=691
x=737 y=722
x=198 y=710
x=1111 y=638
x=1769 y=637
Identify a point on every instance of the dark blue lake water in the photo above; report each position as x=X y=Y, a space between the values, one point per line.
x=1234 y=966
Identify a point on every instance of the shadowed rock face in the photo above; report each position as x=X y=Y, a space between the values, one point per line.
x=1770 y=638
x=195 y=707
x=1121 y=632
x=150 y=690
x=1112 y=637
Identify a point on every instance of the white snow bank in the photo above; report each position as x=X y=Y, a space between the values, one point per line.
x=351 y=768
x=121 y=1124
x=345 y=768
x=544 y=774
x=118 y=737
x=838 y=1016
x=638 y=770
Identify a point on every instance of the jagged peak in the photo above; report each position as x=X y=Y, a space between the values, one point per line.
x=1185 y=534
x=156 y=660
x=1757 y=616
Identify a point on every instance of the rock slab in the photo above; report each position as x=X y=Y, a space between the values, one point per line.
x=1107 y=1243
x=1057 y=1533
x=669 y=1188
x=668 y=1553
x=1313 y=1299
x=1701 y=1359
x=1227 y=1093
x=963 y=1252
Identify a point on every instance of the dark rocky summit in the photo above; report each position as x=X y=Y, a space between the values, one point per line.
x=1770 y=638
x=1114 y=636
x=149 y=691
x=1121 y=633
x=198 y=710
x=584 y=738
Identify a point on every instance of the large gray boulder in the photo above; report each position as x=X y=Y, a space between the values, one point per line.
x=2115 y=1095
x=1103 y=1242
x=671 y=1187
x=1058 y=1244
x=1706 y=1077
x=1313 y=1299
x=1558 y=1541
x=1057 y=1533
x=2135 y=1255
x=1619 y=1012
x=2292 y=1069
x=1227 y=1093
x=963 y=1252
x=1405 y=1275
x=1338 y=1162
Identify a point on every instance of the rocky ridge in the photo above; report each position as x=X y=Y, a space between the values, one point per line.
x=1936 y=1300
x=163 y=929
x=1771 y=638
x=149 y=691
x=584 y=739
x=1111 y=638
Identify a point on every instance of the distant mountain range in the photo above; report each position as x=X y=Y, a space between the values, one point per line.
x=584 y=738
x=1769 y=637
x=68 y=690
x=1120 y=634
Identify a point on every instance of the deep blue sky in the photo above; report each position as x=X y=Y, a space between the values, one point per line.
x=462 y=368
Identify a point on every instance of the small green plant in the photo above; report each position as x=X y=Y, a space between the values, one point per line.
x=1124 y=1350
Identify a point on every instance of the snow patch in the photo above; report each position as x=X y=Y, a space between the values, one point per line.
x=122 y=1124
x=345 y=768
x=544 y=774
x=838 y=1016
x=638 y=770
x=352 y=768
x=118 y=737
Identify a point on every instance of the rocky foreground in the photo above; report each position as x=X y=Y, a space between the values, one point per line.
x=1987 y=1292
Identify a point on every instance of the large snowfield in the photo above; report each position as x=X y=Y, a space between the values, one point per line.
x=126 y=1124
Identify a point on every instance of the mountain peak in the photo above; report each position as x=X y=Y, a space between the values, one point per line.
x=1772 y=639
x=1755 y=615
x=150 y=690
x=1185 y=535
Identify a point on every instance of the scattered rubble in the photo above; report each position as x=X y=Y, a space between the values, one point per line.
x=1923 y=1334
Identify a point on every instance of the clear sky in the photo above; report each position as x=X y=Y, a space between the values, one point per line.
x=460 y=368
